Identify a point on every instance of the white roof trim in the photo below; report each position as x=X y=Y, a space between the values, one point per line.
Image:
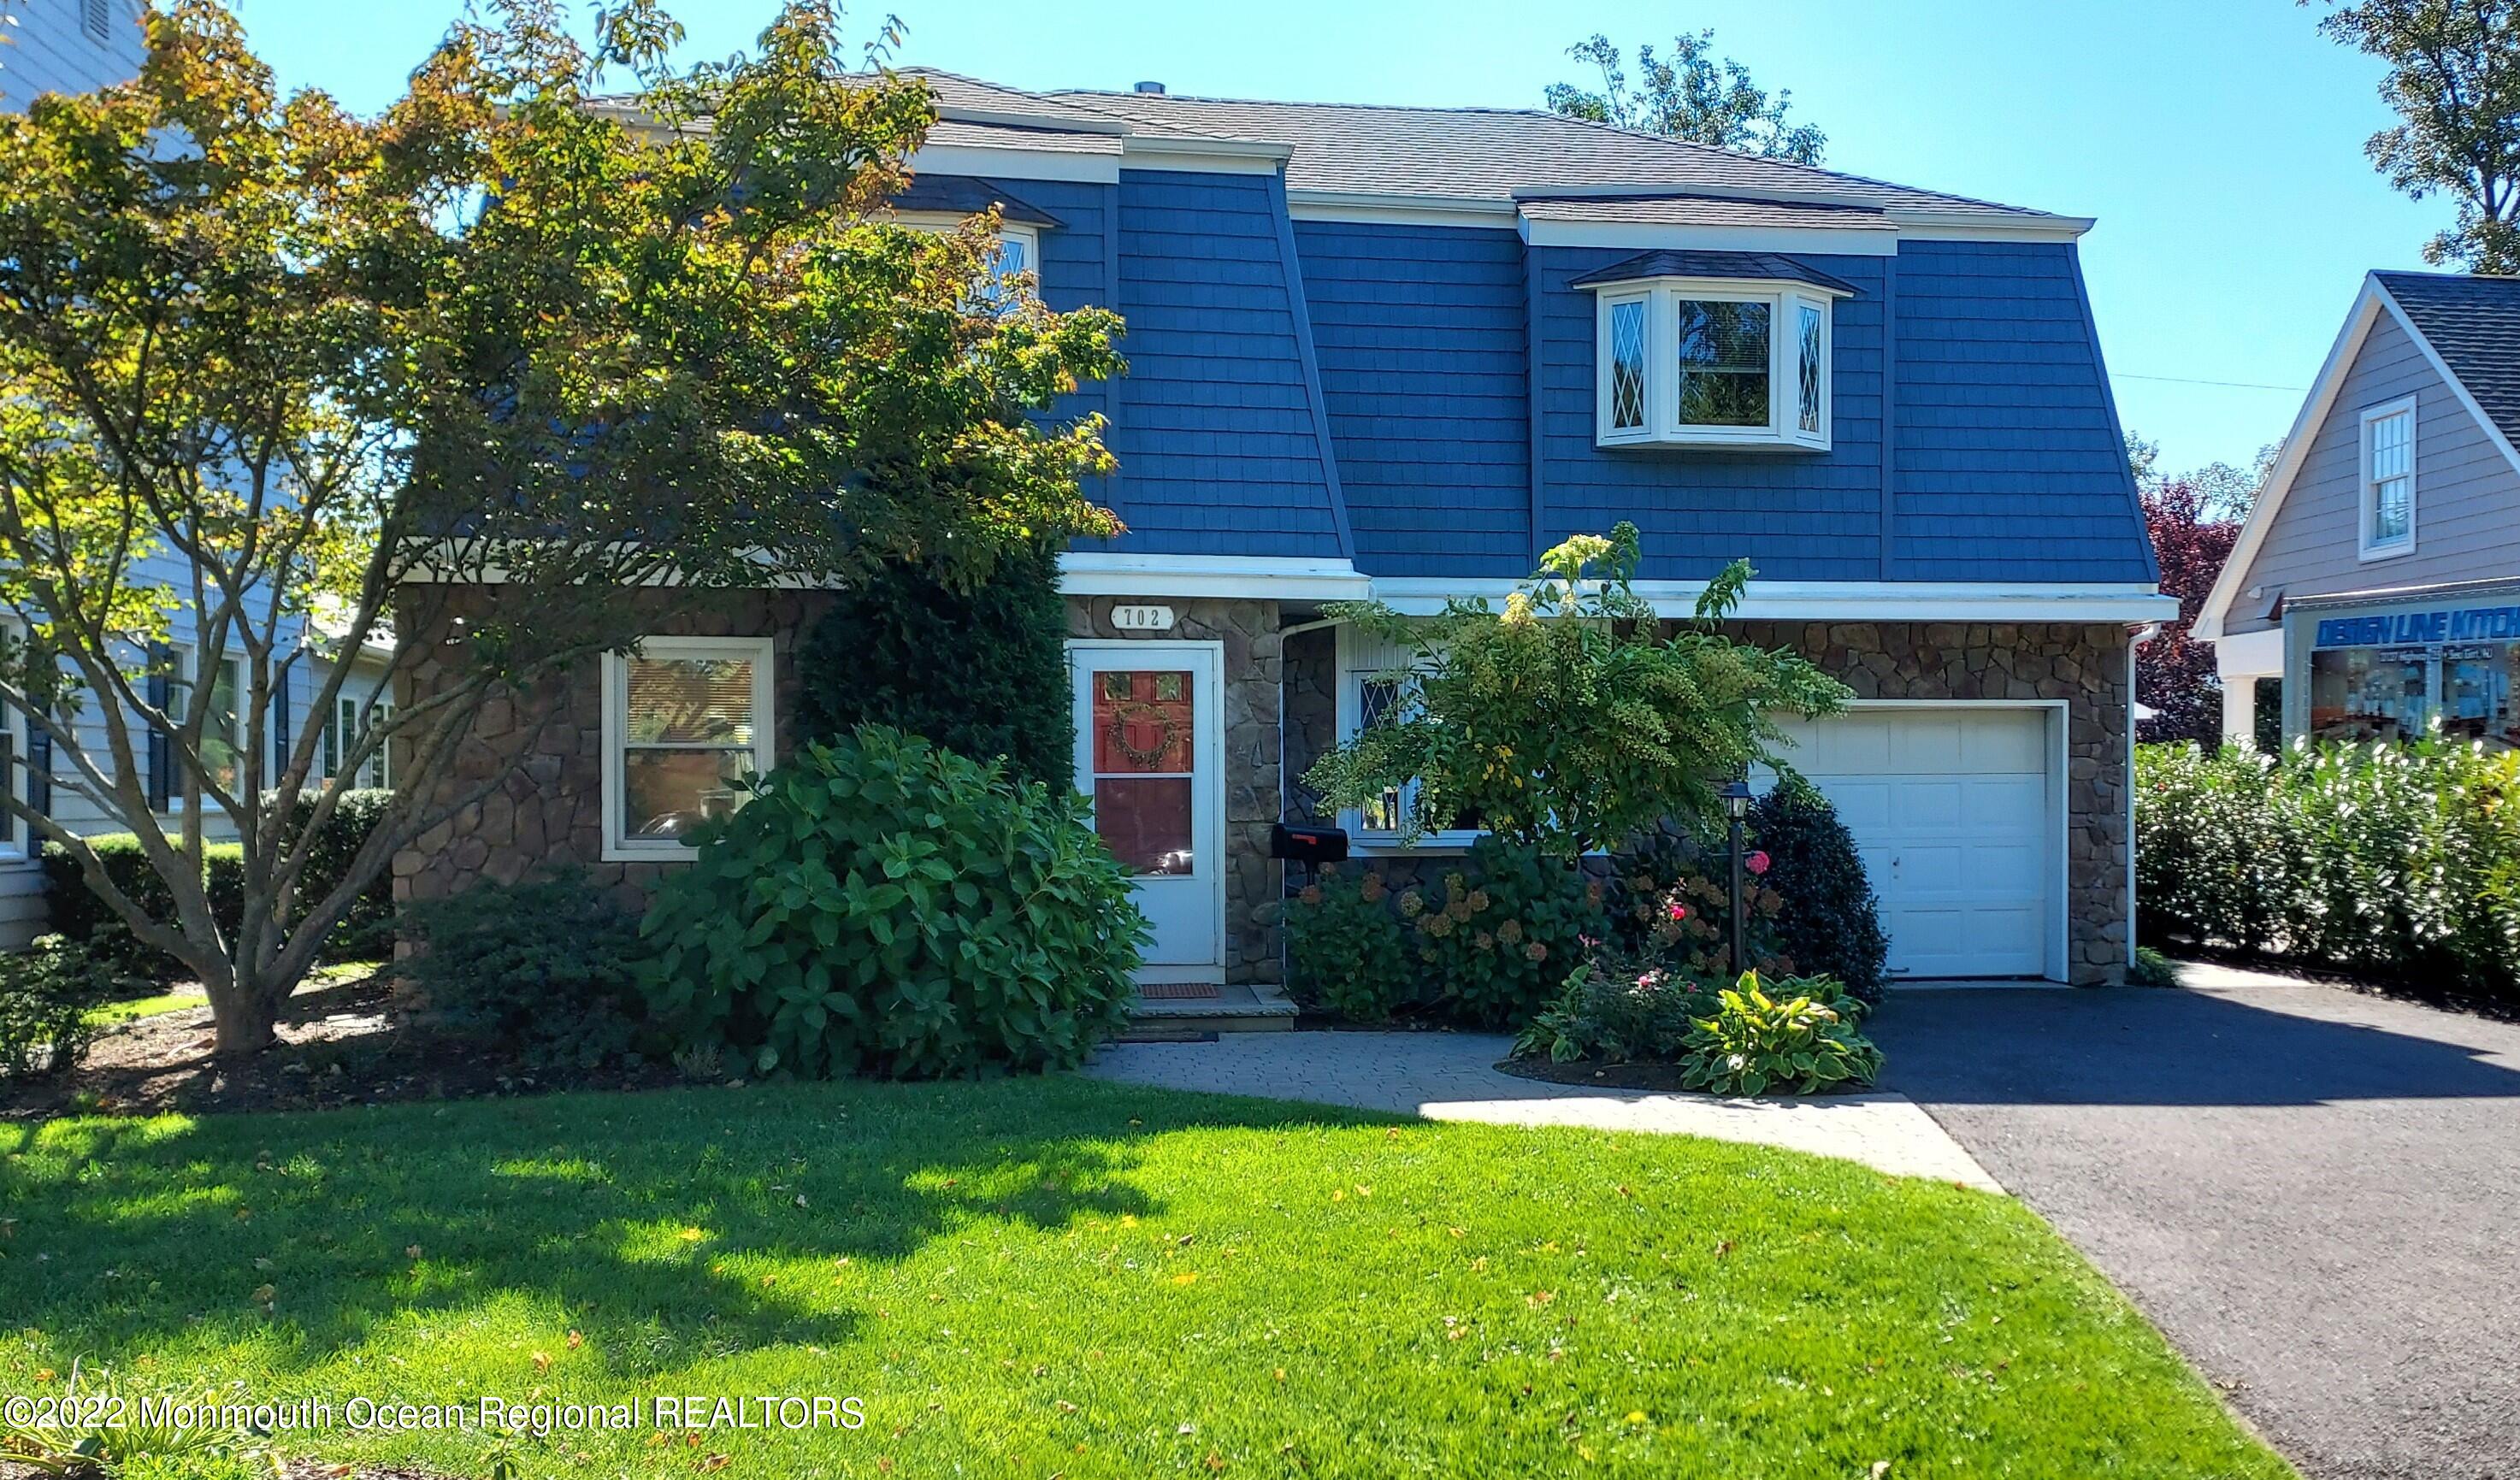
x=1646 y=236
x=1849 y=600
x=1096 y=573
x=2369 y=304
x=1017 y=163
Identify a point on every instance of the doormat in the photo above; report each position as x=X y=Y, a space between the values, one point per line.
x=1181 y=991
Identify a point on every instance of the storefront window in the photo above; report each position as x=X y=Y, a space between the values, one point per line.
x=2477 y=693
x=2361 y=693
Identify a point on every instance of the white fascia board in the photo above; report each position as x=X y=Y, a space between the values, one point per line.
x=1845 y=601
x=1104 y=573
x=2250 y=655
x=1968 y=226
x=1640 y=236
x=1095 y=168
x=1227 y=156
x=2313 y=411
x=1380 y=208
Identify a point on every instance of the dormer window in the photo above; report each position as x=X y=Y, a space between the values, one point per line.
x=1699 y=358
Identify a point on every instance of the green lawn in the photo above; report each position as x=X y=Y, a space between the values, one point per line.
x=1061 y=1277
x=132 y=1010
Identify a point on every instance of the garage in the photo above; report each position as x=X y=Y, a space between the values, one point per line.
x=1955 y=811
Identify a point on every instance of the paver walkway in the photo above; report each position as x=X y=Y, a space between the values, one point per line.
x=2316 y=1193
x=1451 y=1076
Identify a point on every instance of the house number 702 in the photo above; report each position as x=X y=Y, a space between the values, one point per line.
x=1142 y=618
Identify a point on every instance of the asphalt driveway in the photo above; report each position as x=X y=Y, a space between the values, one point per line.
x=2315 y=1194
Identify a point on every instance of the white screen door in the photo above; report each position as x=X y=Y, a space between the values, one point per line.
x=1150 y=751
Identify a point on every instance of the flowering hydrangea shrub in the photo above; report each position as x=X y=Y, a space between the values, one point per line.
x=1665 y=906
x=1495 y=937
x=1346 y=952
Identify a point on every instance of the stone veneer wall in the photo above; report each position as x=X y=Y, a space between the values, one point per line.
x=2083 y=663
x=1312 y=715
x=1254 y=887
x=546 y=747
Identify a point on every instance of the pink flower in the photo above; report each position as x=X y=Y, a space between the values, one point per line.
x=1679 y=910
x=1756 y=862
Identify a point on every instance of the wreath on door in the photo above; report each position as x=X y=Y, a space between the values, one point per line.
x=1128 y=712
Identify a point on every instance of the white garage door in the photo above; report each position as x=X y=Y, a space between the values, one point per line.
x=1951 y=810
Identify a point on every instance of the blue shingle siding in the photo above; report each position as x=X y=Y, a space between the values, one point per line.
x=1419 y=335
x=1797 y=516
x=1075 y=273
x=1213 y=425
x=2010 y=463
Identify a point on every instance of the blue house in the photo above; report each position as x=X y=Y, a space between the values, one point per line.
x=1398 y=352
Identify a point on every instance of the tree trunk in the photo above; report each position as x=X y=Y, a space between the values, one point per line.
x=246 y=1020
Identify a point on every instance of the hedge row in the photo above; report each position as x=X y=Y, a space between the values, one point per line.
x=2383 y=860
x=78 y=913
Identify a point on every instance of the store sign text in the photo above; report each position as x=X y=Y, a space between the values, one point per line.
x=2475 y=624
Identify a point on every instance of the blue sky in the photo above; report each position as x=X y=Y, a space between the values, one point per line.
x=2219 y=144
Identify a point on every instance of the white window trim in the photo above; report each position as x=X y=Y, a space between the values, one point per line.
x=940 y=222
x=187 y=678
x=1663 y=427
x=20 y=844
x=1353 y=672
x=760 y=652
x=2367 y=507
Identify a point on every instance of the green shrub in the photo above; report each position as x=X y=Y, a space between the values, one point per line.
x=1667 y=906
x=982 y=673
x=78 y=911
x=1614 y=1012
x=1497 y=936
x=81 y=915
x=1345 y=950
x=1803 y=1037
x=2151 y=968
x=2391 y=861
x=545 y=968
x=1828 y=923
x=888 y=907
x=46 y=994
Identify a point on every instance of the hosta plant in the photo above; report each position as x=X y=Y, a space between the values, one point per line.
x=1803 y=1038
x=885 y=907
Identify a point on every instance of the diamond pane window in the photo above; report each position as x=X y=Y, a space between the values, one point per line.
x=1808 y=359
x=1628 y=364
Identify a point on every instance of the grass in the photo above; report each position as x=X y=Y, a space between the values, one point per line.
x=1062 y=1276
x=137 y=1008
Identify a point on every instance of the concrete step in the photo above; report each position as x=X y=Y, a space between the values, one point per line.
x=1233 y=1009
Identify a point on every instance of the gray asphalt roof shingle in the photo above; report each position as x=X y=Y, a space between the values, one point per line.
x=1764 y=265
x=2473 y=324
x=1493 y=152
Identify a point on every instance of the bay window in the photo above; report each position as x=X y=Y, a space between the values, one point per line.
x=1713 y=361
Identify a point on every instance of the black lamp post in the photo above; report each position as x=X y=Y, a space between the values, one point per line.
x=1736 y=806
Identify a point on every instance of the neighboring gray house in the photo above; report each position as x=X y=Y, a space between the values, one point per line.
x=72 y=46
x=2375 y=588
x=68 y=46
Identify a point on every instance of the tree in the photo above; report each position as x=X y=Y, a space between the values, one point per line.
x=1691 y=96
x=2226 y=492
x=2175 y=674
x=1572 y=720
x=501 y=333
x=2454 y=83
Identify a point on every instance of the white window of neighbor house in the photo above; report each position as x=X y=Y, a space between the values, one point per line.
x=686 y=721
x=1714 y=362
x=2389 y=480
x=223 y=734
x=351 y=719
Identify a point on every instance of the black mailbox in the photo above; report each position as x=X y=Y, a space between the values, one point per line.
x=1308 y=845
